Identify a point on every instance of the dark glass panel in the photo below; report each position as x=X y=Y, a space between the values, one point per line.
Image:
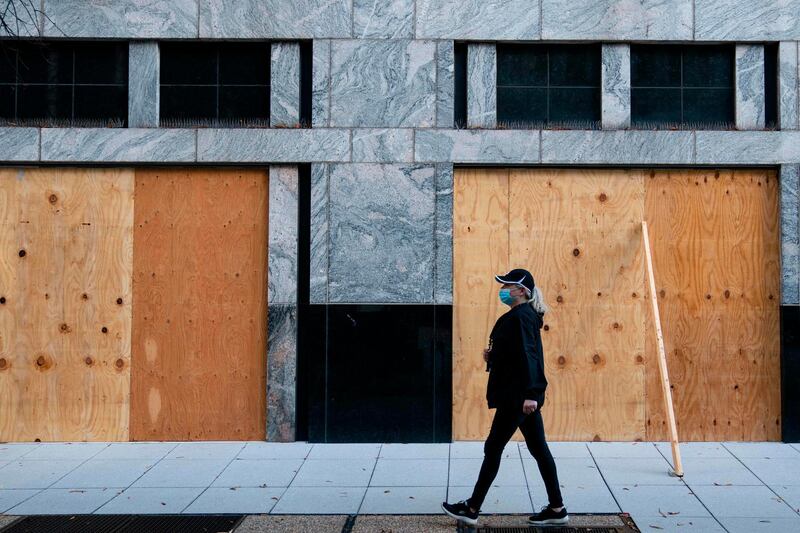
x=574 y=105
x=101 y=63
x=45 y=63
x=521 y=105
x=460 y=85
x=655 y=105
x=708 y=66
x=188 y=102
x=8 y=63
x=575 y=65
x=183 y=63
x=101 y=102
x=380 y=373
x=7 y=95
x=245 y=63
x=45 y=101
x=655 y=66
x=243 y=102
x=771 y=85
x=710 y=106
x=521 y=65
x=790 y=373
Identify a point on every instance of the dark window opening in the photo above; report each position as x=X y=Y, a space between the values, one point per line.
x=304 y=310
x=771 y=86
x=215 y=84
x=306 y=71
x=682 y=87
x=548 y=86
x=460 y=88
x=64 y=84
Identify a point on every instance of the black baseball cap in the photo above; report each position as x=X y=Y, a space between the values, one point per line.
x=518 y=276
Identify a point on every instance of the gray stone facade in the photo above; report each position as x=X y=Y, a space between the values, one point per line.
x=383 y=144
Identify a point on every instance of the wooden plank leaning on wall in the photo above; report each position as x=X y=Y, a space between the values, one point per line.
x=66 y=255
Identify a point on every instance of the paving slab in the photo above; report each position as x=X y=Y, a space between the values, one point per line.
x=717 y=471
x=152 y=451
x=259 y=473
x=38 y=474
x=335 y=473
x=12 y=451
x=344 y=451
x=759 y=525
x=189 y=473
x=105 y=473
x=775 y=471
x=743 y=501
x=292 y=524
x=245 y=500
x=636 y=471
x=72 y=451
x=660 y=524
x=656 y=500
x=64 y=501
x=403 y=500
x=275 y=450
x=762 y=449
x=320 y=500
x=694 y=449
x=415 y=451
x=12 y=497
x=206 y=450
x=624 y=449
x=405 y=473
x=150 y=501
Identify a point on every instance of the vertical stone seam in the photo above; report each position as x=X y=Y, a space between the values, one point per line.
x=436 y=170
x=797 y=83
x=436 y=62
x=198 y=17
x=197 y=155
x=352 y=19
x=694 y=20
x=694 y=146
x=414 y=23
x=327 y=239
x=330 y=84
x=541 y=20
x=39 y=131
x=41 y=18
x=540 y=146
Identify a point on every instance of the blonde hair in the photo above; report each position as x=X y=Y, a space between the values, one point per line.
x=536 y=301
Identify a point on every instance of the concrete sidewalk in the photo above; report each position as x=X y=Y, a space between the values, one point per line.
x=727 y=487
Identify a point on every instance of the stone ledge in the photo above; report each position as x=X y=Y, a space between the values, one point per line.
x=477 y=146
x=747 y=147
x=118 y=145
x=617 y=147
x=273 y=145
x=19 y=144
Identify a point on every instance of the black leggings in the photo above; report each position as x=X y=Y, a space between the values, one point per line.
x=505 y=423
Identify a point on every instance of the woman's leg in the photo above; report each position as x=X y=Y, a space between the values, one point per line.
x=533 y=430
x=504 y=425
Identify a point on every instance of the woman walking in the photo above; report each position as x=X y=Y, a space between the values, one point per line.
x=516 y=387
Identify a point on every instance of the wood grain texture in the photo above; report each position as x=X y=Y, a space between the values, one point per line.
x=199 y=297
x=480 y=251
x=66 y=259
x=714 y=237
x=717 y=268
x=578 y=232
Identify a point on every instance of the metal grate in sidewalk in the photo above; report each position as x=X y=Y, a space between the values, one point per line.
x=125 y=524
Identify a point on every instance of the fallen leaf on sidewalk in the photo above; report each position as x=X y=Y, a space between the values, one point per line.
x=655 y=526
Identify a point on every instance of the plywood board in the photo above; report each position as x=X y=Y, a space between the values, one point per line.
x=714 y=237
x=578 y=232
x=199 y=296
x=717 y=269
x=66 y=259
x=480 y=250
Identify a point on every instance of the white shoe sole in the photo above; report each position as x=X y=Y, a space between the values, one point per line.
x=466 y=520
x=550 y=522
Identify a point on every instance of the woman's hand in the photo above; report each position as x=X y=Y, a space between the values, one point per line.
x=486 y=354
x=529 y=406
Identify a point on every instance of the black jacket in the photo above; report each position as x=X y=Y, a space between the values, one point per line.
x=516 y=360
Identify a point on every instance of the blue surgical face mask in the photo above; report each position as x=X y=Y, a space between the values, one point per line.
x=505 y=296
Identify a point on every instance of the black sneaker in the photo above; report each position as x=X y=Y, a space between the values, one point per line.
x=460 y=511
x=549 y=517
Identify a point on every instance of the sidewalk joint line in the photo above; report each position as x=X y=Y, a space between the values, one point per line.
x=600 y=471
x=364 y=497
